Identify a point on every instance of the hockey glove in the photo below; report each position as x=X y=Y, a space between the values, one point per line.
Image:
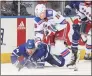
x=67 y=11
x=65 y=44
x=20 y=58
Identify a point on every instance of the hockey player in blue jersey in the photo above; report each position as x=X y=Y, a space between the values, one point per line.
x=27 y=55
x=74 y=46
x=85 y=24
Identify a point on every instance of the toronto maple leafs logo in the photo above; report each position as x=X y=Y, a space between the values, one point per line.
x=30 y=43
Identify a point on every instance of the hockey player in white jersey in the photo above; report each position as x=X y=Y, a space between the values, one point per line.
x=47 y=22
x=85 y=9
x=48 y=26
x=85 y=16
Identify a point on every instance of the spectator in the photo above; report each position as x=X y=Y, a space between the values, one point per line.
x=15 y=8
x=6 y=8
x=9 y=8
x=23 y=11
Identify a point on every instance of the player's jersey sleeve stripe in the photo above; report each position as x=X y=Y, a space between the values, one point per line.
x=88 y=46
x=65 y=53
x=74 y=44
x=63 y=22
x=38 y=20
x=13 y=53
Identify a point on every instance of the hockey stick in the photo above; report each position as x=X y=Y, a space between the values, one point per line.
x=71 y=19
x=77 y=61
x=21 y=66
x=71 y=48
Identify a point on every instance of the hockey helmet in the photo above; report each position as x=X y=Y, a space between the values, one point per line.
x=39 y=9
x=30 y=44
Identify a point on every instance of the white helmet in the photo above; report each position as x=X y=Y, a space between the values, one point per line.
x=39 y=9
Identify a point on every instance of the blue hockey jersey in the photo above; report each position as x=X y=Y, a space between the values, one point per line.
x=41 y=54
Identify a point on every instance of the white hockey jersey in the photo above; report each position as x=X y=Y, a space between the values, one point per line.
x=53 y=20
x=85 y=10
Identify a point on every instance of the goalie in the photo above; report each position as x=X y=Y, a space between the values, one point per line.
x=27 y=55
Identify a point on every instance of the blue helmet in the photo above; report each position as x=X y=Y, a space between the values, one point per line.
x=30 y=44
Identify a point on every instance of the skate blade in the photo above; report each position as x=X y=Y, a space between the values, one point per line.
x=71 y=67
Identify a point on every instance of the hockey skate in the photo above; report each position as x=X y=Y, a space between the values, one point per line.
x=73 y=59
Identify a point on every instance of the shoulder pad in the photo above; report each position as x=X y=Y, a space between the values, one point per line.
x=37 y=19
x=42 y=45
x=49 y=12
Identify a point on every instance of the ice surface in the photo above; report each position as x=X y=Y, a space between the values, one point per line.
x=84 y=68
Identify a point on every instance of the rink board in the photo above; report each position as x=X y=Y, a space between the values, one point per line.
x=5 y=57
x=16 y=32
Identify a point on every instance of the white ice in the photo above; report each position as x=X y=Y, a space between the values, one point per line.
x=84 y=68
